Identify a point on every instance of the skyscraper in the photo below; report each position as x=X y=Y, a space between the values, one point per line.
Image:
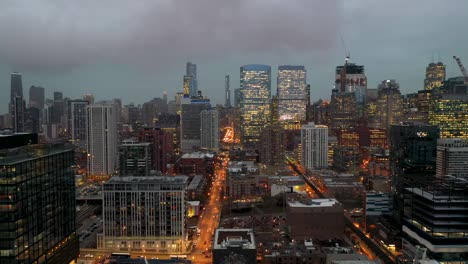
x=343 y=109
x=16 y=88
x=18 y=109
x=209 y=129
x=37 y=202
x=314 y=142
x=162 y=145
x=273 y=139
x=255 y=81
x=412 y=158
x=292 y=92
x=389 y=104
x=101 y=138
x=351 y=78
x=452 y=157
x=17 y=105
x=191 y=70
x=227 y=92
x=435 y=76
x=187 y=85
x=145 y=213
x=135 y=158
x=77 y=121
x=449 y=109
x=190 y=123
x=36 y=97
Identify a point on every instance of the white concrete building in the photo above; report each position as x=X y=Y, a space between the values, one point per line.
x=209 y=129
x=101 y=138
x=146 y=214
x=452 y=157
x=314 y=142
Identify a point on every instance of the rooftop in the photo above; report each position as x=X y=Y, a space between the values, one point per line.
x=313 y=203
x=198 y=155
x=30 y=152
x=195 y=182
x=234 y=238
x=149 y=179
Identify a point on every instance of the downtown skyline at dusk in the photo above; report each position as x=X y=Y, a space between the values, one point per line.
x=113 y=48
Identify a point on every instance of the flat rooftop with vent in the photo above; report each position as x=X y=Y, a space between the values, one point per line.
x=236 y=244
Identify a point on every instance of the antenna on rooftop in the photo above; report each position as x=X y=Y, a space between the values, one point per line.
x=347 y=53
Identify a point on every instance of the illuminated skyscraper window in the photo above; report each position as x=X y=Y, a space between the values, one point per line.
x=292 y=94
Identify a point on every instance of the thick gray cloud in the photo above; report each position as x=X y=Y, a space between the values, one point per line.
x=54 y=34
x=136 y=49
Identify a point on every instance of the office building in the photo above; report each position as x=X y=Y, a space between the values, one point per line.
x=36 y=97
x=162 y=147
x=449 y=109
x=273 y=139
x=145 y=213
x=452 y=158
x=412 y=158
x=389 y=105
x=351 y=78
x=344 y=110
x=16 y=89
x=17 y=106
x=37 y=205
x=292 y=92
x=32 y=120
x=77 y=121
x=435 y=76
x=135 y=158
x=190 y=123
x=255 y=81
x=320 y=219
x=101 y=138
x=237 y=97
x=435 y=217
x=151 y=110
x=191 y=71
x=209 y=129
x=314 y=142
x=234 y=246
x=227 y=92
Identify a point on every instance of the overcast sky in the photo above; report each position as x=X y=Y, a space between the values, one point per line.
x=135 y=50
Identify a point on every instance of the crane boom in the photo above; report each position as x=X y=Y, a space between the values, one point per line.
x=462 y=68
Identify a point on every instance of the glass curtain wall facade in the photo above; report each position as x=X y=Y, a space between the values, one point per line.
x=291 y=91
x=255 y=81
x=37 y=205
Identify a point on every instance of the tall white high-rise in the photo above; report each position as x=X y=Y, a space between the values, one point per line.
x=314 y=142
x=452 y=157
x=292 y=93
x=101 y=138
x=209 y=129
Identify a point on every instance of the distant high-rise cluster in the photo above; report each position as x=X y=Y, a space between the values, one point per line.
x=158 y=167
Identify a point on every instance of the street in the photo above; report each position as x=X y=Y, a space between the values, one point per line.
x=209 y=220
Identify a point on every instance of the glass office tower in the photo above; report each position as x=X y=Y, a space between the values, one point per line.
x=37 y=205
x=255 y=81
x=292 y=94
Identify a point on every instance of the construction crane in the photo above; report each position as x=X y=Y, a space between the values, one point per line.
x=462 y=68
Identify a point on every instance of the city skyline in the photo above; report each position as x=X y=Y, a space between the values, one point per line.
x=121 y=67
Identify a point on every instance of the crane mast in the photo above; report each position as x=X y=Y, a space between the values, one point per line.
x=462 y=68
